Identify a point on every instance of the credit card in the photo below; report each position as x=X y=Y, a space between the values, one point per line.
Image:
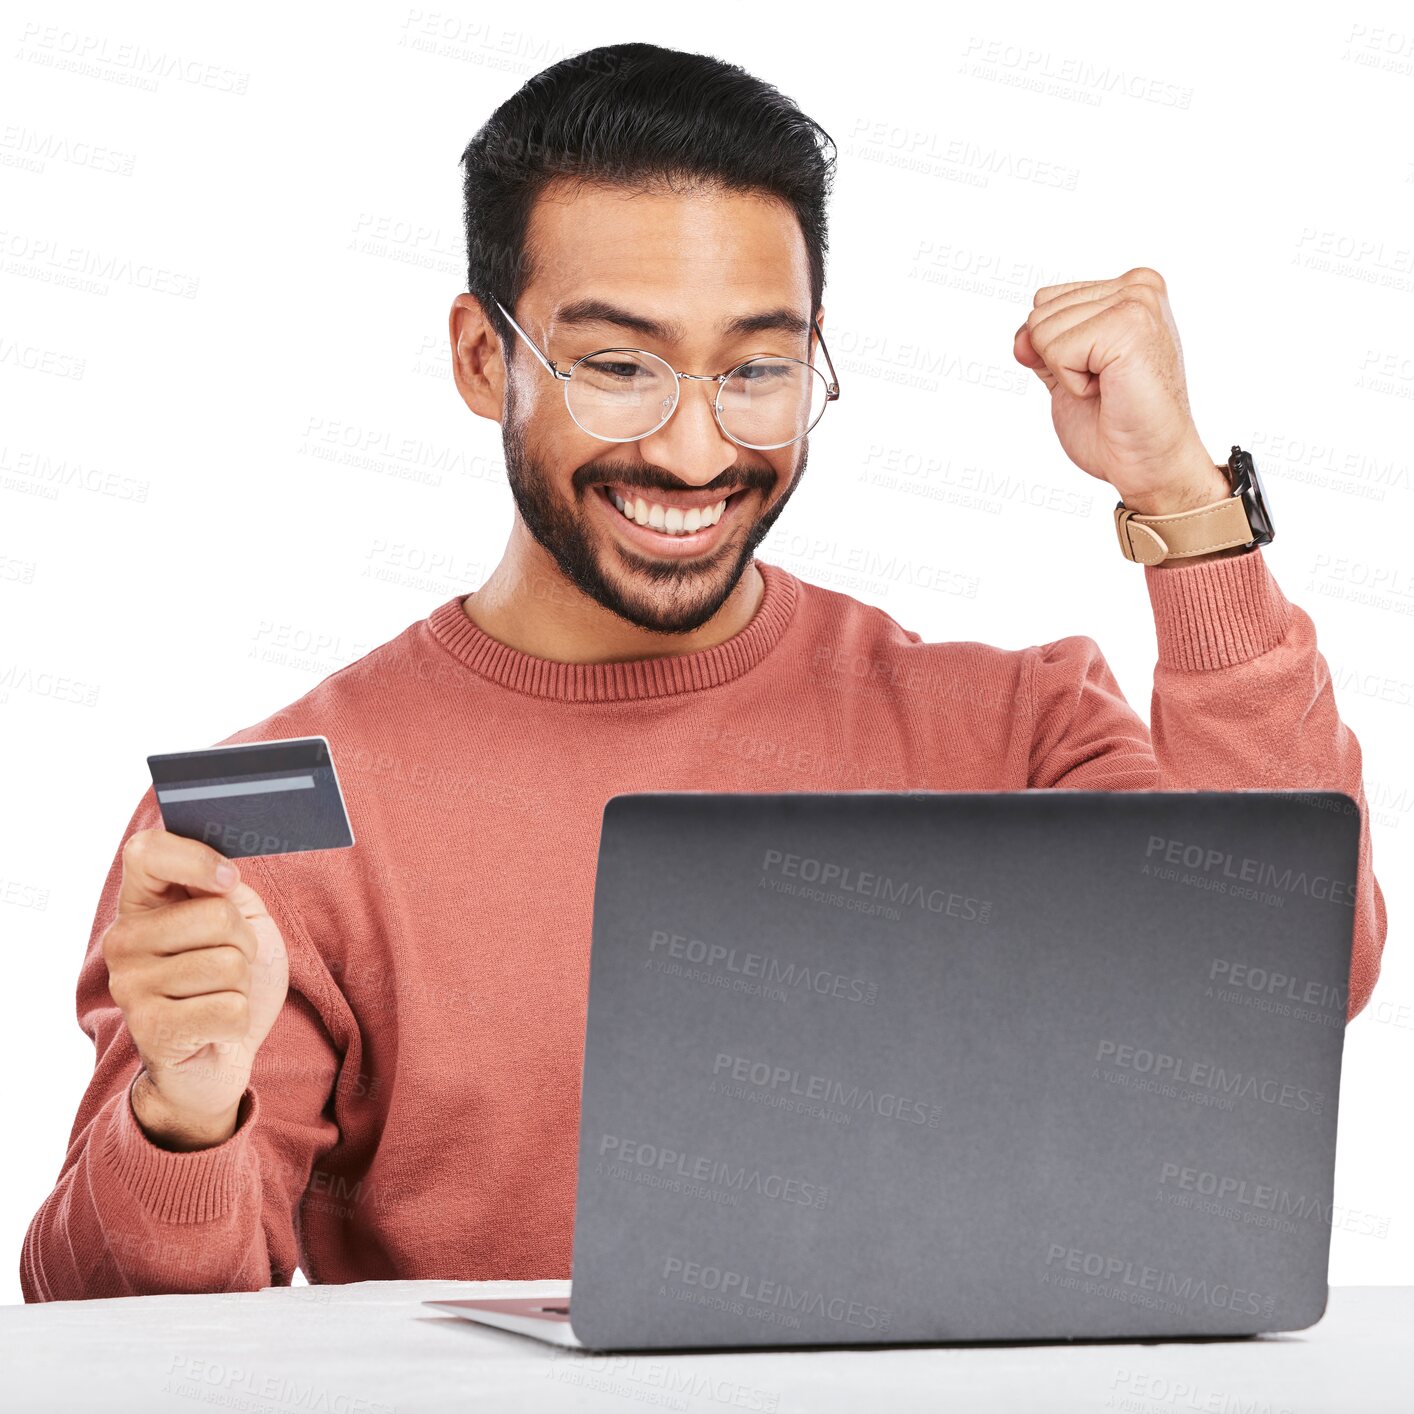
x=261 y=797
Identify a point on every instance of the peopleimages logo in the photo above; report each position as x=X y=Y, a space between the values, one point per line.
x=1119 y=1277
x=739 y=1289
x=1264 y=1197
x=781 y=1080
x=1206 y=1076
x=763 y=968
x=1261 y=1204
x=864 y=884
x=1280 y=985
x=1277 y=991
x=720 y=1173
x=1251 y=871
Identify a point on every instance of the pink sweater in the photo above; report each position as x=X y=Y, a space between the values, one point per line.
x=414 y=1112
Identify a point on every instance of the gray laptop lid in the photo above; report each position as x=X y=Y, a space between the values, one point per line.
x=889 y=1067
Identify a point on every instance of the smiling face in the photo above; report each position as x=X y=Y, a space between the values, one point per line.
x=658 y=530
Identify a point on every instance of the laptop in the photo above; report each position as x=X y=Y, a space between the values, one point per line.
x=880 y=1067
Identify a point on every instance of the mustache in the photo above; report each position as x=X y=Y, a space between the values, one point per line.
x=649 y=478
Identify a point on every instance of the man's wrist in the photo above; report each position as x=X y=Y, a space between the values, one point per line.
x=1203 y=489
x=169 y=1128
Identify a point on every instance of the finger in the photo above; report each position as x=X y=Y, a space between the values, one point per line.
x=1076 y=345
x=186 y=925
x=1024 y=351
x=195 y=974
x=1047 y=326
x=1140 y=275
x=154 y=860
x=1042 y=327
x=176 y=1028
x=1048 y=321
x=1058 y=296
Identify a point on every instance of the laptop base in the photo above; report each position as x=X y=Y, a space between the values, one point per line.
x=544 y=1318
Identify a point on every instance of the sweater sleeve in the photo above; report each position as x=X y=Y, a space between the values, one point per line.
x=128 y=1218
x=1242 y=700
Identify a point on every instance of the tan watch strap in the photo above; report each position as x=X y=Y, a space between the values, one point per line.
x=1147 y=540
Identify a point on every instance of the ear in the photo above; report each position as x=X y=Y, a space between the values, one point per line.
x=478 y=368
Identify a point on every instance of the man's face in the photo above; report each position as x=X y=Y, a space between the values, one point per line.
x=690 y=262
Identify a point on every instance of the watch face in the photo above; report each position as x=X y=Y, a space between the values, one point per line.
x=1254 y=498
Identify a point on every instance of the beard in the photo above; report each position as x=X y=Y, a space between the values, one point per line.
x=662 y=596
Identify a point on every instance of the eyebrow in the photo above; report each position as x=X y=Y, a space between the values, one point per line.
x=597 y=311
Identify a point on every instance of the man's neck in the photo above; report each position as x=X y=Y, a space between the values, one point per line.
x=529 y=605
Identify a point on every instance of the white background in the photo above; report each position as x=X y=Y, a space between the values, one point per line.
x=232 y=460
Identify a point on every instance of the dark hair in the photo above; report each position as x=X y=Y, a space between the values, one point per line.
x=643 y=116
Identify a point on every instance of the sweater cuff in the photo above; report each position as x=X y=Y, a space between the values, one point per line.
x=178 y=1187
x=1218 y=613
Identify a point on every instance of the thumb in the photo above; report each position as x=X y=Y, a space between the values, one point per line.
x=1024 y=351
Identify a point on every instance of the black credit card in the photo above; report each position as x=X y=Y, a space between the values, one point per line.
x=262 y=797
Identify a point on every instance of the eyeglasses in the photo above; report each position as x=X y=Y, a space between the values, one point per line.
x=624 y=395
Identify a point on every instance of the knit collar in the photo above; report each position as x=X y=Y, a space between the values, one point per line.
x=622 y=681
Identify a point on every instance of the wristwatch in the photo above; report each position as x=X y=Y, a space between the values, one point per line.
x=1242 y=518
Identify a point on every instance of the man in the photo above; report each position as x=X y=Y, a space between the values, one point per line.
x=366 y=1062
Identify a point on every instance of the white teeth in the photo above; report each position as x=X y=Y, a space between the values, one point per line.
x=671 y=520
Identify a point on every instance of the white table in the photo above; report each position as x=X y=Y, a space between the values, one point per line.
x=372 y=1348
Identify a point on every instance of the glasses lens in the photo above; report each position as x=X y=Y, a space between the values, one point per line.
x=768 y=402
x=621 y=393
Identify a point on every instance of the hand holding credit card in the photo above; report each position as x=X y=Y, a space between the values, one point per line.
x=261 y=797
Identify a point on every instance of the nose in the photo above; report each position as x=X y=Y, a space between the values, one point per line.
x=690 y=444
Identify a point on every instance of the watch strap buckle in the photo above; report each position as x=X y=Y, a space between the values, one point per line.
x=1138 y=542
